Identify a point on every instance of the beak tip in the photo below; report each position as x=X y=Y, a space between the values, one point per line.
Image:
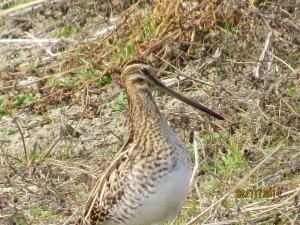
x=221 y=118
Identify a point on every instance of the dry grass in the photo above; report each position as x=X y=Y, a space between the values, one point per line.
x=207 y=50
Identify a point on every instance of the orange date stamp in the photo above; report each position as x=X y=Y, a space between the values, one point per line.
x=259 y=193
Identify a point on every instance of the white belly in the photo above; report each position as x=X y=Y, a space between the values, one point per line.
x=165 y=204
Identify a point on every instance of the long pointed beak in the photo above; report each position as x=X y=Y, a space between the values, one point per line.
x=197 y=105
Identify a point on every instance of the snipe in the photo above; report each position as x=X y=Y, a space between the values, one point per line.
x=148 y=180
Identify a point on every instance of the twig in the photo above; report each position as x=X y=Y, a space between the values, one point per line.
x=7 y=33
x=47 y=29
x=196 y=154
x=63 y=53
x=106 y=30
x=216 y=58
x=278 y=19
x=252 y=220
x=276 y=90
x=22 y=7
x=21 y=133
x=24 y=85
x=5 y=3
x=282 y=62
x=255 y=75
x=7 y=41
x=248 y=208
x=62 y=133
x=50 y=50
x=238 y=184
x=71 y=217
x=40 y=44
x=183 y=74
x=30 y=9
x=52 y=57
x=269 y=66
x=267 y=179
x=81 y=117
x=51 y=148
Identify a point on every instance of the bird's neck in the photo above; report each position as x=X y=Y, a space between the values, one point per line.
x=150 y=132
x=145 y=117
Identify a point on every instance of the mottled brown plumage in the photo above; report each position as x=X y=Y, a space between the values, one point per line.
x=147 y=182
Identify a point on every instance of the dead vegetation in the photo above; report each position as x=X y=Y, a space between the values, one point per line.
x=241 y=58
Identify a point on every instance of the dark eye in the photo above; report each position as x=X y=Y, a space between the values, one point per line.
x=144 y=70
x=138 y=79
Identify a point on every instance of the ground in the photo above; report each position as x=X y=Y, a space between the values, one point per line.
x=63 y=112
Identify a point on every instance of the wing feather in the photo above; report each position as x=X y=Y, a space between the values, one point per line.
x=108 y=189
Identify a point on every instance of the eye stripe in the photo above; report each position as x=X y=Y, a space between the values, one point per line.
x=137 y=78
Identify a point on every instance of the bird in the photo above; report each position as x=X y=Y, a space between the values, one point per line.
x=147 y=182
